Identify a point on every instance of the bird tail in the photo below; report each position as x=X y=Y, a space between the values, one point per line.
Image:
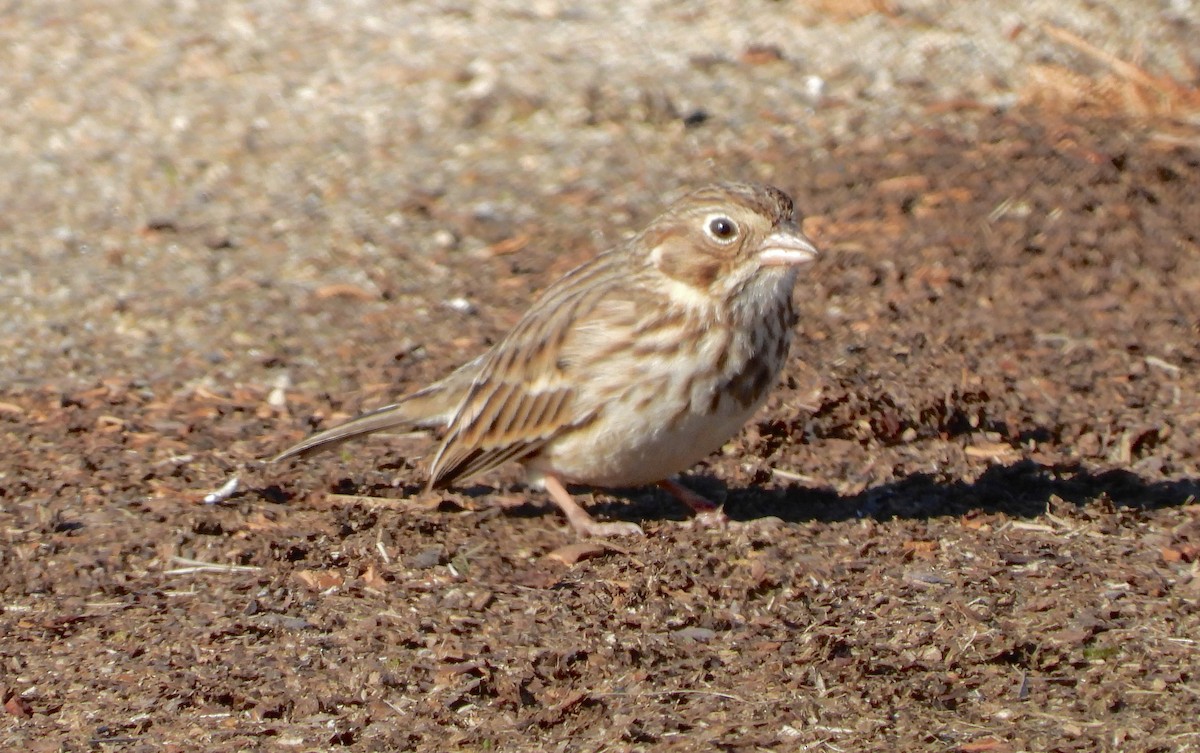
x=396 y=416
x=430 y=408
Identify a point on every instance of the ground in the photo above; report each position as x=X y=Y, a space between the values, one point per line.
x=966 y=519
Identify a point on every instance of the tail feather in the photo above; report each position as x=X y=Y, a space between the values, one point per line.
x=388 y=417
x=430 y=408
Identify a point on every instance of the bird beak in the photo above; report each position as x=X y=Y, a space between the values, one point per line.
x=786 y=247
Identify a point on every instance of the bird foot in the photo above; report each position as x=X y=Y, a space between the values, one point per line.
x=585 y=525
x=711 y=519
x=708 y=513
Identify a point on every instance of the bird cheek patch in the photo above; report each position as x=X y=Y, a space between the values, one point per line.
x=680 y=261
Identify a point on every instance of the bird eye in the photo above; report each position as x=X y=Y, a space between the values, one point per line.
x=722 y=229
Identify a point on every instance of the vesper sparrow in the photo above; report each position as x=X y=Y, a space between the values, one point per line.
x=629 y=369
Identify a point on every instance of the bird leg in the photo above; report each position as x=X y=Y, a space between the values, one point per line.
x=584 y=524
x=708 y=513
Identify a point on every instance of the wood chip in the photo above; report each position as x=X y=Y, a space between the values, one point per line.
x=903 y=184
x=345 y=290
x=18 y=707
x=372 y=578
x=507 y=246
x=580 y=551
x=985 y=745
x=320 y=580
x=998 y=451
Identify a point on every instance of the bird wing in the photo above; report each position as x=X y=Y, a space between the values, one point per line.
x=525 y=393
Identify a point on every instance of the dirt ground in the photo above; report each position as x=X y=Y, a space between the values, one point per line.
x=967 y=519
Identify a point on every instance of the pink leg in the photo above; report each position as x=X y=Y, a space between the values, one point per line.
x=584 y=524
x=708 y=513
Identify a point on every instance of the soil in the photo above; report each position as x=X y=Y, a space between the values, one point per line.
x=966 y=520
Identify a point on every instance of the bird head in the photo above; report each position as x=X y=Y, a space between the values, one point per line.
x=720 y=239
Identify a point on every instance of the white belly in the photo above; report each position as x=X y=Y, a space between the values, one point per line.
x=635 y=452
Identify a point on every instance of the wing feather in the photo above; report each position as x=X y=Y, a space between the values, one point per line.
x=523 y=396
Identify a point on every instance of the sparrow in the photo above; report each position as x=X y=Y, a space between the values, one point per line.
x=630 y=368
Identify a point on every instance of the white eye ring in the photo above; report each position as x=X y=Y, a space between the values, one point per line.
x=721 y=229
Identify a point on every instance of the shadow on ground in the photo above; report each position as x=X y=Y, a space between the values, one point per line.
x=1024 y=489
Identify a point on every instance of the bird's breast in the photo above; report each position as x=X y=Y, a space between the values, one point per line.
x=667 y=399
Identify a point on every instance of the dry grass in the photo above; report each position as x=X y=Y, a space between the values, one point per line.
x=849 y=10
x=1126 y=89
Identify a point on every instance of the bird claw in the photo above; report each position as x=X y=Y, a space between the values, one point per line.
x=712 y=519
x=708 y=513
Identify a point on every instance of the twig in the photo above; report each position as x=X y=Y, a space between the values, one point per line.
x=1166 y=366
x=1040 y=527
x=1120 y=67
x=199 y=566
x=681 y=691
x=225 y=492
x=792 y=476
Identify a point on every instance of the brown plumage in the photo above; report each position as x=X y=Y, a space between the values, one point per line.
x=632 y=366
